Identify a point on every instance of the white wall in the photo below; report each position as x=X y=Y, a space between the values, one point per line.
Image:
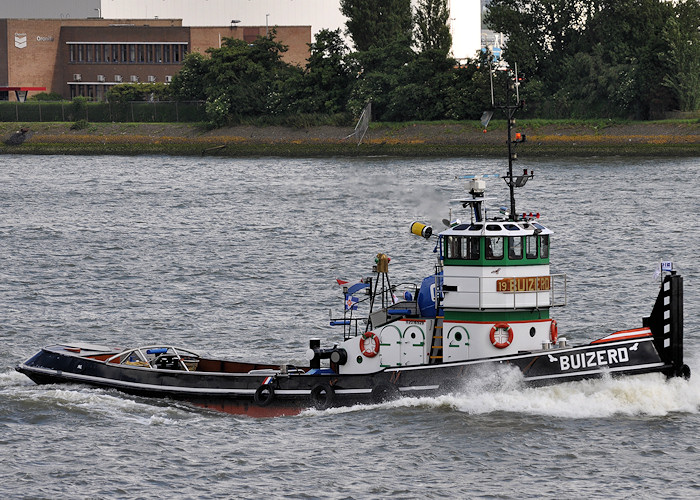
x=465 y=19
x=319 y=14
x=53 y=9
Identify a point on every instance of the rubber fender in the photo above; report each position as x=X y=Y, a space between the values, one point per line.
x=384 y=392
x=264 y=395
x=322 y=396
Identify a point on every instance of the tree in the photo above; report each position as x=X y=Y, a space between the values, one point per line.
x=377 y=23
x=594 y=58
x=683 y=37
x=127 y=92
x=241 y=78
x=325 y=85
x=539 y=34
x=188 y=83
x=431 y=26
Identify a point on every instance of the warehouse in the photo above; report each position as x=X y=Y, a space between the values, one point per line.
x=85 y=57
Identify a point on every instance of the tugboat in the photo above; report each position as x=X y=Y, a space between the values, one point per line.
x=486 y=305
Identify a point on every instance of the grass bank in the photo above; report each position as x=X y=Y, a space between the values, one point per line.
x=434 y=139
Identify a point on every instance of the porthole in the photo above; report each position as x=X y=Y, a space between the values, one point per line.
x=458 y=336
x=532 y=331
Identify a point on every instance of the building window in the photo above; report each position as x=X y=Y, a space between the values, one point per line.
x=166 y=53
x=88 y=53
x=158 y=58
x=98 y=53
x=176 y=53
x=141 y=50
x=149 y=53
x=72 y=53
x=115 y=53
x=123 y=49
x=132 y=53
x=81 y=56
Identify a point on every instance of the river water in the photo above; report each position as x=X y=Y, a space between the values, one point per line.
x=238 y=258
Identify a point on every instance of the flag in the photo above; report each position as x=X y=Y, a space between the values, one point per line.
x=351 y=302
x=667 y=266
x=341 y=282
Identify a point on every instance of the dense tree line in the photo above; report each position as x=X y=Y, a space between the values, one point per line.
x=630 y=58
x=593 y=58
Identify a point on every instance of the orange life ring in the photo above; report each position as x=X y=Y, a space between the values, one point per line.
x=501 y=344
x=554 y=331
x=369 y=344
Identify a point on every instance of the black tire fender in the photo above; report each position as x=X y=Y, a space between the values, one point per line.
x=322 y=396
x=264 y=395
x=384 y=392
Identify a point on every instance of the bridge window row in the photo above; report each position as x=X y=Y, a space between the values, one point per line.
x=496 y=247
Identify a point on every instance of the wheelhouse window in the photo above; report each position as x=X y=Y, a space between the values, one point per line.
x=462 y=247
x=531 y=247
x=515 y=247
x=494 y=247
x=544 y=246
x=470 y=248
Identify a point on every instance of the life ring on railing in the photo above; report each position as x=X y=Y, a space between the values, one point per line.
x=501 y=342
x=554 y=332
x=369 y=344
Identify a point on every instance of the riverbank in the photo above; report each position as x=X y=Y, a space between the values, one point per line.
x=588 y=138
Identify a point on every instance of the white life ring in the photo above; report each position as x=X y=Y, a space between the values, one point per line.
x=369 y=344
x=501 y=343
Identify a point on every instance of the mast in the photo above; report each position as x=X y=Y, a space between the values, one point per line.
x=509 y=108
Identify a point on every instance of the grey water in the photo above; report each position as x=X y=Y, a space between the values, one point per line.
x=238 y=258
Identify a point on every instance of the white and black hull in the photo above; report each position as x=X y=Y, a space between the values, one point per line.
x=250 y=389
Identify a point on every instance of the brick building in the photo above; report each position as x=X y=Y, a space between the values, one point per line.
x=86 y=56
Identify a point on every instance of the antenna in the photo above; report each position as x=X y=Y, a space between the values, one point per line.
x=493 y=102
x=512 y=181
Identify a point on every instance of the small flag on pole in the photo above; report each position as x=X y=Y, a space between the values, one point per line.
x=667 y=266
x=351 y=302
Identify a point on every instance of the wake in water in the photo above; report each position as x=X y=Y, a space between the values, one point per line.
x=502 y=390
x=79 y=400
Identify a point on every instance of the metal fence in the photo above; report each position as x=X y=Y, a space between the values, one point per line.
x=136 y=111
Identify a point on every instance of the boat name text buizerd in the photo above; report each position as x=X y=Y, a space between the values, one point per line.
x=595 y=358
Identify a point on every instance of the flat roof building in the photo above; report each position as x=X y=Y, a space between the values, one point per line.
x=84 y=57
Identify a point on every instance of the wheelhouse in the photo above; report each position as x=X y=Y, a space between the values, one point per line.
x=521 y=243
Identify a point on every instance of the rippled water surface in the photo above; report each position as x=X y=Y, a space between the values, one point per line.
x=238 y=258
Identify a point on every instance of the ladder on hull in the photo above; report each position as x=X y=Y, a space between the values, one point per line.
x=437 y=342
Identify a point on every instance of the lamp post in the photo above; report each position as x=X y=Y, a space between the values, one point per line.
x=267 y=29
